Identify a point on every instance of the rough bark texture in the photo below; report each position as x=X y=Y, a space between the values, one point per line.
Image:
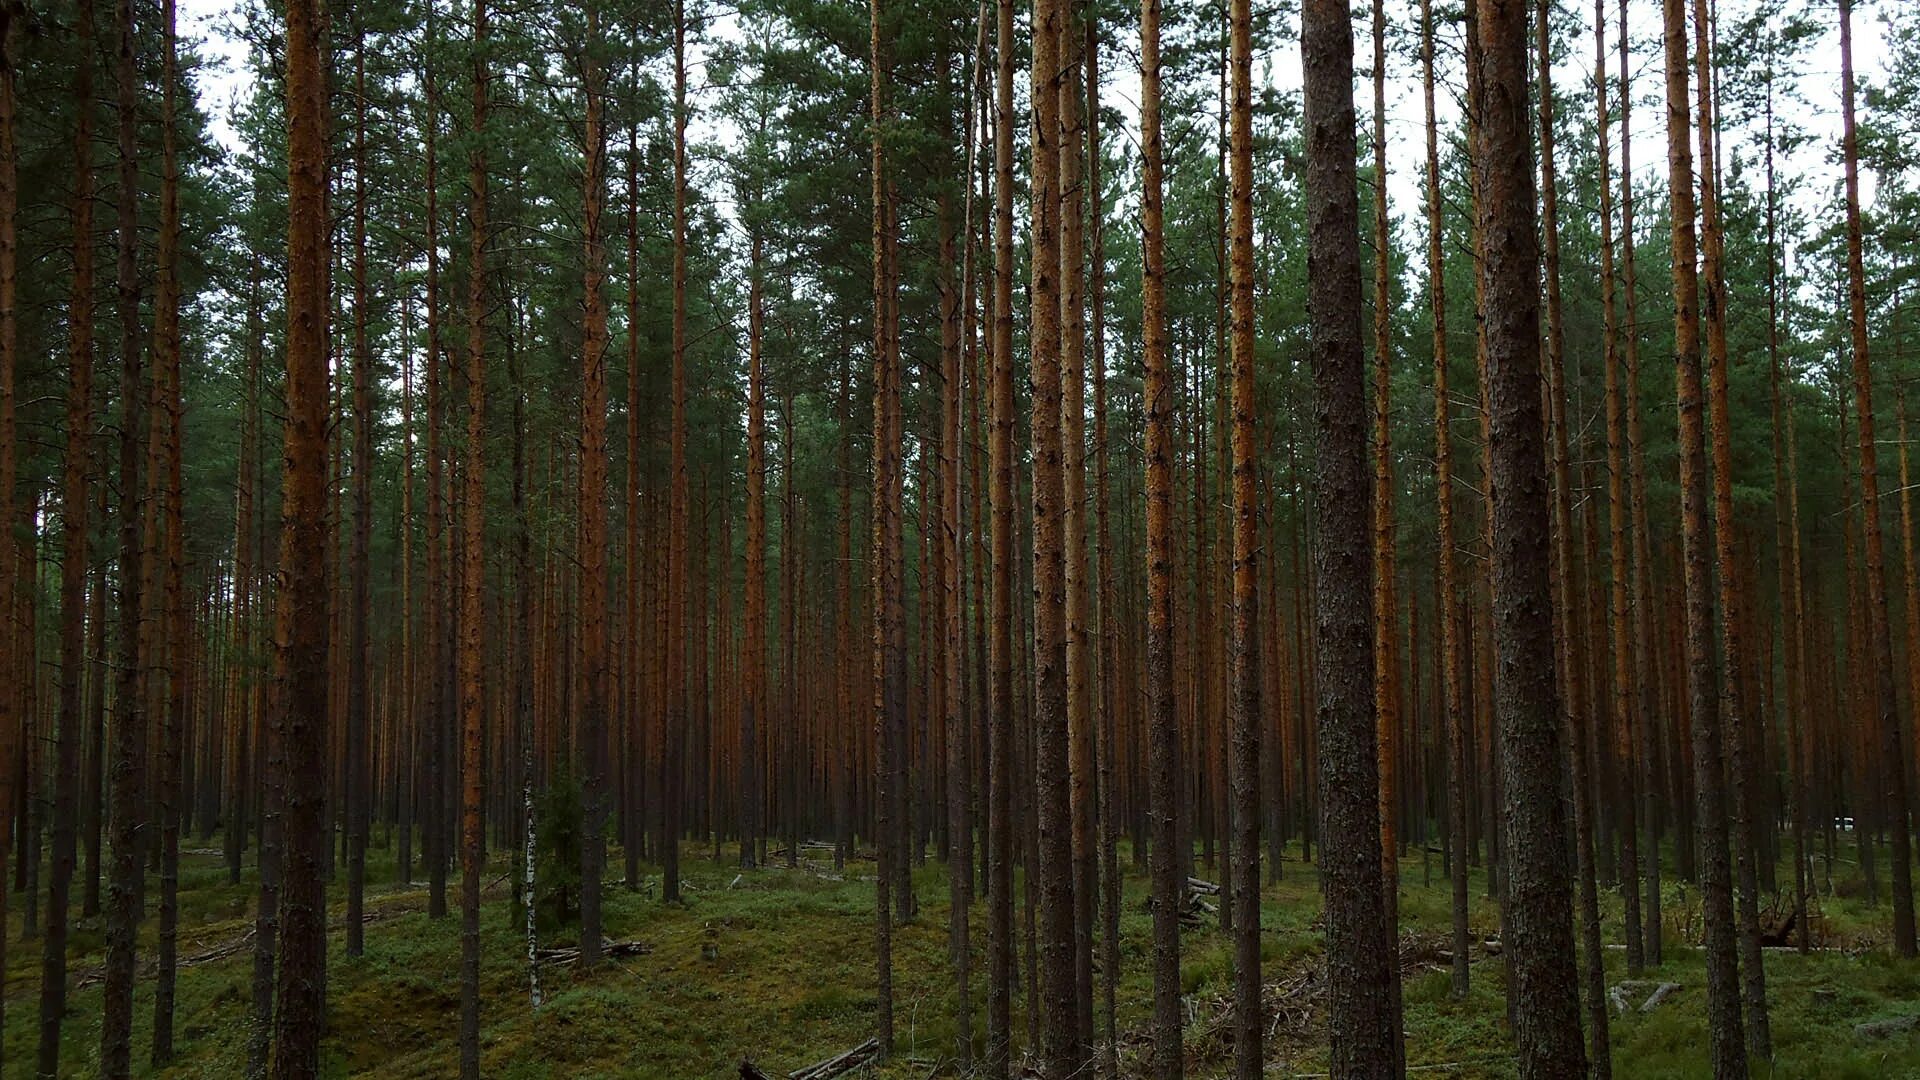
x=888 y=694
x=1359 y=971
x=1887 y=712
x=1000 y=734
x=1623 y=710
x=302 y=625
x=473 y=497
x=173 y=665
x=73 y=564
x=1163 y=733
x=126 y=758
x=1703 y=703
x=1249 y=1017
x=1727 y=560
x=597 y=704
x=1544 y=993
x=1453 y=690
x=1059 y=1030
x=1567 y=579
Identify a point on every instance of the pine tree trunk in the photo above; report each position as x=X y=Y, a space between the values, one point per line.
x=73 y=571
x=1624 y=711
x=673 y=767
x=1886 y=710
x=302 y=629
x=1359 y=970
x=1544 y=995
x=11 y=644
x=1078 y=633
x=1386 y=617
x=126 y=761
x=1000 y=770
x=1733 y=702
x=1703 y=704
x=1447 y=607
x=472 y=564
x=165 y=485
x=1567 y=584
x=597 y=704
x=1647 y=745
x=1244 y=850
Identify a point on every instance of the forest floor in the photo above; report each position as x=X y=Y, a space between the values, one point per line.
x=776 y=965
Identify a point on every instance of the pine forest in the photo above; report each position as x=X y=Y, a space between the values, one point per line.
x=1065 y=539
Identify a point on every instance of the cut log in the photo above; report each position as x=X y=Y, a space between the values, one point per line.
x=844 y=1062
x=1660 y=994
x=561 y=955
x=1202 y=886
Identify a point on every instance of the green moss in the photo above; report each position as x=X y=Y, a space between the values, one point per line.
x=777 y=965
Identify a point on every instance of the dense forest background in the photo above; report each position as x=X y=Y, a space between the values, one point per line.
x=562 y=448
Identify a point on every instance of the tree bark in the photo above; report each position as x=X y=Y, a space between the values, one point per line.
x=1892 y=741
x=126 y=761
x=73 y=566
x=1000 y=734
x=1544 y=997
x=1163 y=734
x=1359 y=971
x=1703 y=704
x=1244 y=852
x=302 y=629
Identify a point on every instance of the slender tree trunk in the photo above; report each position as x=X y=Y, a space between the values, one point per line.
x=889 y=695
x=1000 y=772
x=1726 y=556
x=957 y=340
x=753 y=630
x=434 y=831
x=302 y=629
x=1079 y=670
x=175 y=627
x=1110 y=699
x=1386 y=618
x=359 y=576
x=1642 y=589
x=1786 y=512
x=597 y=704
x=1892 y=740
x=472 y=564
x=126 y=760
x=1703 y=704
x=1544 y=996
x=1452 y=678
x=634 y=808
x=1624 y=710
x=677 y=600
x=1359 y=968
x=1566 y=579
x=1163 y=734
x=1244 y=852
x=12 y=645
x=73 y=566
x=1053 y=757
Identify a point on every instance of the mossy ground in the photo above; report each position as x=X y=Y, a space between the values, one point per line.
x=776 y=965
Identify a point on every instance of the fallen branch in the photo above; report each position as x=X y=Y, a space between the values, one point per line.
x=561 y=955
x=1660 y=994
x=839 y=1064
